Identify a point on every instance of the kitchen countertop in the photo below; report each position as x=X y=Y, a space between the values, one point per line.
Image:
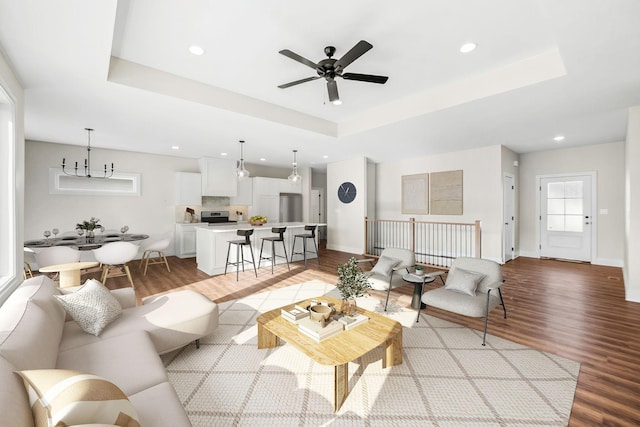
x=244 y=225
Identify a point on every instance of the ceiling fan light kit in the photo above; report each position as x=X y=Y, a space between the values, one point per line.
x=330 y=68
x=87 y=163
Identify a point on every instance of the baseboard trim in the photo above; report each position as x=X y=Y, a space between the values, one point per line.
x=633 y=295
x=608 y=262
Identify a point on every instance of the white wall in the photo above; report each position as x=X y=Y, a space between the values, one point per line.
x=345 y=222
x=607 y=160
x=151 y=213
x=482 y=191
x=632 y=207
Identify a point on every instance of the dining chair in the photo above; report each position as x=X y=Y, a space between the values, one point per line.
x=158 y=246
x=55 y=255
x=115 y=256
x=29 y=258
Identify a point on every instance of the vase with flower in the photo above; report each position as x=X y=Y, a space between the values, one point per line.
x=352 y=283
x=89 y=227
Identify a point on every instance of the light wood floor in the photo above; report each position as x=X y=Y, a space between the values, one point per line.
x=574 y=310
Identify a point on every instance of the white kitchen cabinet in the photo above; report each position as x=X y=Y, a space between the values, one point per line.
x=188 y=189
x=266 y=186
x=287 y=186
x=245 y=193
x=186 y=239
x=266 y=205
x=218 y=177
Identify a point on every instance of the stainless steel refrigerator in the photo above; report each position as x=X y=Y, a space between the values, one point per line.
x=290 y=207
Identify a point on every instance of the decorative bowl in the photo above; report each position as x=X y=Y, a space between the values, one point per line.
x=320 y=313
x=256 y=222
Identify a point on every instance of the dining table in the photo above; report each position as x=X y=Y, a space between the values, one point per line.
x=84 y=243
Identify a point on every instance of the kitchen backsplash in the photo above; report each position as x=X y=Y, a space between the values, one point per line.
x=212 y=204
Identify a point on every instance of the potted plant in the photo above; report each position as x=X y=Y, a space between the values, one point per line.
x=89 y=226
x=352 y=283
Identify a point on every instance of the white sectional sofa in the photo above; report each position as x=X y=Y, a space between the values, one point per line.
x=36 y=333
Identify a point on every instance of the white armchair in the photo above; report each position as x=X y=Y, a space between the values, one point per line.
x=388 y=271
x=472 y=289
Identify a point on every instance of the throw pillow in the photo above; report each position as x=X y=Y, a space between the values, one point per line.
x=61 y=397
x=384 y=266
x=92 y=306
x=463 y=281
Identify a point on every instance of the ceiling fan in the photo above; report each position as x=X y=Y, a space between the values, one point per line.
x=331 y=68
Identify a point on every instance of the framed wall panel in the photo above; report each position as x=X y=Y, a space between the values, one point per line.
x=415 y=194
x=446 y=193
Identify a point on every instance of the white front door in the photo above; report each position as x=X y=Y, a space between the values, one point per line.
x=565 y=217
x=509 y=218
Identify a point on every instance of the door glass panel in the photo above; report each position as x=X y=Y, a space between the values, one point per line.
x=565 y=206
x=555 y=222
x=573 y=223
x=555 y=207
x=573 y=189
x=555 y=190
x=573 y=206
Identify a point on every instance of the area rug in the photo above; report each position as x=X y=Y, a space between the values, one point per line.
x=446 y=379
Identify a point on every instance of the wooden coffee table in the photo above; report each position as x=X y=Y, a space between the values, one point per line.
x=338 y=350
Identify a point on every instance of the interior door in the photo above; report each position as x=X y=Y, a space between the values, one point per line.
x=565 y=217
x=509 y=218
x=317 y=213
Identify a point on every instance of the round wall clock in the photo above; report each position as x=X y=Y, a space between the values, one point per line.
x=346 y=192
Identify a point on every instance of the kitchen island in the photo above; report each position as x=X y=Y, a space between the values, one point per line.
x=212 y=244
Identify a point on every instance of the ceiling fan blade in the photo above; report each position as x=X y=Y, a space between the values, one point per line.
x=333 y=91
x=296 y=57
x=365 y=78
x=297 y=82
x=356 y=52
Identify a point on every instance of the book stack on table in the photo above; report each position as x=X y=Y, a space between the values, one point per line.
x=294 y=314
x=315 y=330
x=352 y=321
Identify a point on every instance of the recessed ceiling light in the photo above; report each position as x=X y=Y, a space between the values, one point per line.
x=337 y=102
x=223 y=154
x=468 y=47
x=196 y=50
x=558 y=138
x=325 y=157
x=262 y=159
x=175 y=147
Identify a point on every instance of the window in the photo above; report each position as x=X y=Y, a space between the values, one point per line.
x=8 y=194
x=564 y=206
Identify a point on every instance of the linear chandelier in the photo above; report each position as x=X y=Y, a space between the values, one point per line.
x=87 y=163
x=295 y=176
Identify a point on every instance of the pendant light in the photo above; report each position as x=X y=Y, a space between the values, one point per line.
x=295 y=176
x=242 y=172
x=87 y=163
